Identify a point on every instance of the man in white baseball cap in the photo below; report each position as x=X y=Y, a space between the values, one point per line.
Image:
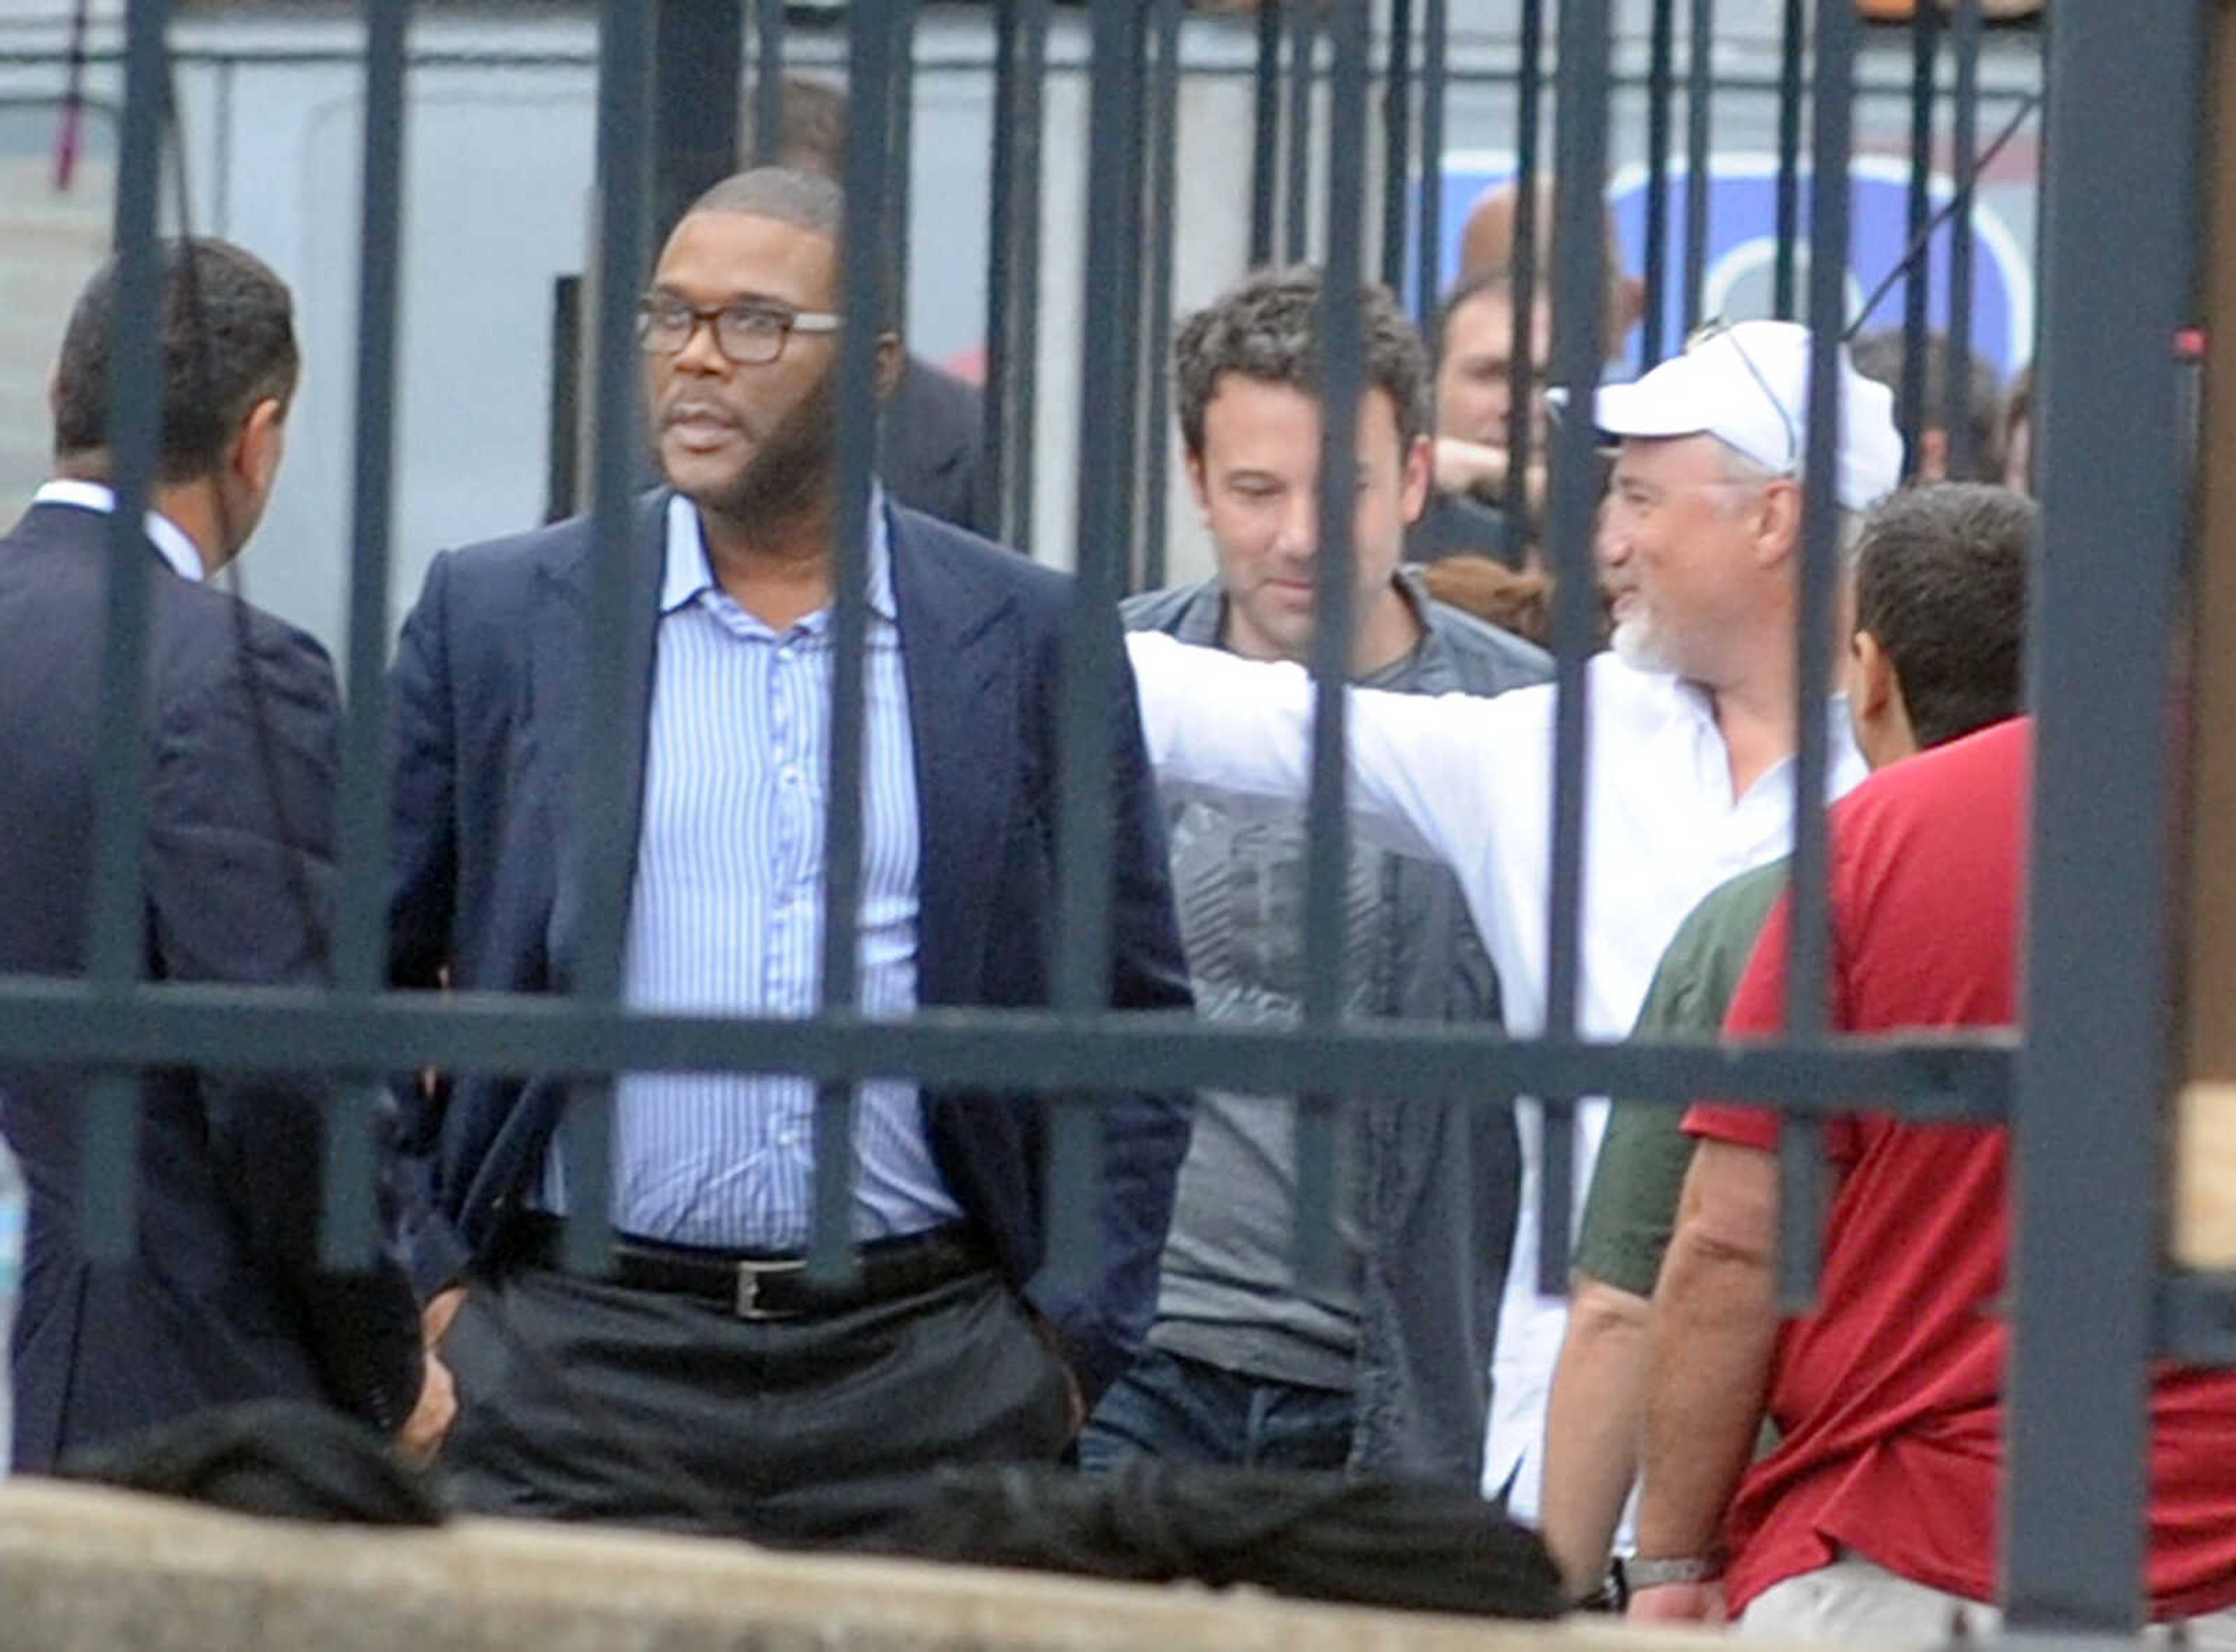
x=1691 y=730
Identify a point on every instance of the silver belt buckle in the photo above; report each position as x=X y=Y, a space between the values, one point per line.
x=747 y=1305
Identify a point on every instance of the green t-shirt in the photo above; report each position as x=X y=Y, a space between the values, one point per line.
x=1632 y=1208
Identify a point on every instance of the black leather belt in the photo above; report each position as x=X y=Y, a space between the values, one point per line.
x=759 y=1287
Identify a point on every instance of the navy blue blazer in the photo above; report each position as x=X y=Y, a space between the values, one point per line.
x=222 y=1299
x=487 y=703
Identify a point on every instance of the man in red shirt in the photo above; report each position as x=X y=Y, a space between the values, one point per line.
x=1875 y=1517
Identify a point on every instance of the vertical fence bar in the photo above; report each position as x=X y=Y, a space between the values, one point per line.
x=1296 y=204
x=768 y=82
x=1964 y=151
x=621 y=617
x=1522 y=368
x=1327 y=858
x=361 y=918
x=697 y=60
x=1578 y=352
x=2123 y=97
x=877 y=49
x=1660 y=92
x=1093 y=647
x=1265 y=145
x=1917 y=280
x=1428 y=270
x=1013 y=264
x=1699 y=114
x=1396 y=141
x=1791 y=45
x=900 y=150
x=1163 y=208
x=109 y=1165
x=1830 y=141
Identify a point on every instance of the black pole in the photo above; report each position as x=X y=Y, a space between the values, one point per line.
x=1296 y=213
x=350 y=1229
x=1396 y=141
x=1578 y=352
x=1013 y=265
x=877 y=53
x=1162 y=208
x=1964 y=147
x=1699 y=111
x=1327 y=858
x=620 y=606
x=1917 y=284
x=1522 y=367
x=1660 y=91
x=768 y=82
x=110 y=1158
x=1789 y=159
x=1428 y=271
x=697 y=60
x=1832 y=141
x=1266 y=147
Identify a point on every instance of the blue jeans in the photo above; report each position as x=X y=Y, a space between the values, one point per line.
x=1182 y=1409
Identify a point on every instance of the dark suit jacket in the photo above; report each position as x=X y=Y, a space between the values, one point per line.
x=928 y=454
x=223 y=1299
x=488 y=704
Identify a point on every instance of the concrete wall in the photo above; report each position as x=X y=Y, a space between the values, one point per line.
x=83 y=1570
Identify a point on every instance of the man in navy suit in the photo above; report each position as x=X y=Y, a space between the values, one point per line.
x=222 y=1298
x=754 y=1396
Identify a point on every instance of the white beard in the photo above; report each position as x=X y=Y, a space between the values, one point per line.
x=1640 y=645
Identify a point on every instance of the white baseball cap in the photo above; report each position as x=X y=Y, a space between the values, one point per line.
x=1748 y=385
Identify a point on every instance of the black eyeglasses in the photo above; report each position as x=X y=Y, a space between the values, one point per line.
x=748 y=334
x=1717 y=327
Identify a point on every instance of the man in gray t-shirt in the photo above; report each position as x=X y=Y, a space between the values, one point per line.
x=1385 y=1366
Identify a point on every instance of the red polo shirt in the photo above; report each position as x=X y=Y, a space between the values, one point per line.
x=1888 y=1398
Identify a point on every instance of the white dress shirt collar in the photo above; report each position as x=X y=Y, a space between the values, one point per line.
x=685 y=570
x=170 y=540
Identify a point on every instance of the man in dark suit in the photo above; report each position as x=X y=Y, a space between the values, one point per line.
x=223 y=1299
x=955 y=1342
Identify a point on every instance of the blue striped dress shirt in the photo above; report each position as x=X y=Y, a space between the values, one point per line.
x=727 y=915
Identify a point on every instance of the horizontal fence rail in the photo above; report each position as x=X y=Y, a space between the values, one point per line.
x=282 y=1030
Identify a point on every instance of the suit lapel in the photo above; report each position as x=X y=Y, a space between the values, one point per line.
x=958 y=657
x=561 y=632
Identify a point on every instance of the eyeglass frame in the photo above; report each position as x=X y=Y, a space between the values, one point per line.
x=1718 y=327
x=789 y=320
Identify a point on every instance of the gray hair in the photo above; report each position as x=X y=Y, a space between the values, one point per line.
x=1749 y=471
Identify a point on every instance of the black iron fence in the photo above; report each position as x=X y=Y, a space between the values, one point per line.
x=2118 y=248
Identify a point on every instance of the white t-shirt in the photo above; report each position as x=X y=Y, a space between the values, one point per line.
x=1469 y=781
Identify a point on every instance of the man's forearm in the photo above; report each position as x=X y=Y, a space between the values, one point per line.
x=1238 y=734
x=1592 y=1428
x=1711 y=1335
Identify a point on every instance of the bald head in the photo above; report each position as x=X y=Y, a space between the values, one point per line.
x=790 y=196
x=1486 y=245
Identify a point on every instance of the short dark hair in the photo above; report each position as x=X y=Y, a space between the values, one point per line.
x=1881 y=355
x=228 y=343
x=1471 y=285
x=1940 y=580
x=1268 y=328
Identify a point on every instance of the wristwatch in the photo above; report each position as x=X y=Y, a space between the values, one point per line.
x=1653 y=1571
